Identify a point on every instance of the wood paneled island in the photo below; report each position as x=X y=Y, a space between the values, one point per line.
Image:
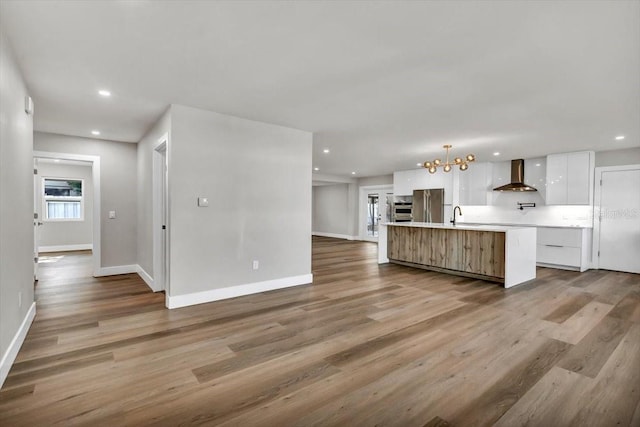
x=496 y=253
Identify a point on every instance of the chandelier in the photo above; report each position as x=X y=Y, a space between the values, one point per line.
x=446 y=166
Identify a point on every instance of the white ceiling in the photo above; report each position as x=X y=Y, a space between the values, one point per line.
x=383 y=85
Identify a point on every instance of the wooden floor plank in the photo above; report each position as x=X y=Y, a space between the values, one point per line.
x=569 y=307
x=628 y=308
x=494 y=402
x=553 y=401
x=592 y=352
x=609 y=404
x=581 y=323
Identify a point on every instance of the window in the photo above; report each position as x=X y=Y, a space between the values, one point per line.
x=63 y=199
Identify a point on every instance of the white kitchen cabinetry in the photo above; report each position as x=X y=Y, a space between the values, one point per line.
x=565 y=248
x=404 y=182
x=476 y=184
x=570 y=178
x=535 y=174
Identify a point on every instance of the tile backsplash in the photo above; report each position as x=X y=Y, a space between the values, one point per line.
x=562 y=216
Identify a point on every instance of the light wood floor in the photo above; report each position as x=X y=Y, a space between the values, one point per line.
x=365 y=345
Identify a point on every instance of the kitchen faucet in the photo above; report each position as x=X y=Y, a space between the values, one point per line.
x=453 y=221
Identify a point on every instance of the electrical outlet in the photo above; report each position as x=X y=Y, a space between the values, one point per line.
x=256 y=264
x=19 y=299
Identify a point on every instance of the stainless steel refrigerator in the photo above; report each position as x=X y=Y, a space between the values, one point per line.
x=428 y=205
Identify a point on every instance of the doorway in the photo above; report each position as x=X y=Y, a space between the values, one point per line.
x=376 y=203
x=67 y=206
x=617 y=221
x=161 y=216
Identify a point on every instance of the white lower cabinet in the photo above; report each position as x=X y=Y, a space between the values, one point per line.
x=565 y=248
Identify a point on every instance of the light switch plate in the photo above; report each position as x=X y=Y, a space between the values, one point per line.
x=203 y=202
x=112 y=214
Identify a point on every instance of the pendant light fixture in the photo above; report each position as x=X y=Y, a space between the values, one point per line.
x=432 y=167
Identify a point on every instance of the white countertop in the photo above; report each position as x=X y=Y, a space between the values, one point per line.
x=459 y=226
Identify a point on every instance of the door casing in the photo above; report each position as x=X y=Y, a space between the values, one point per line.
x=161 y=236
x=382 y=191
x=95 y=172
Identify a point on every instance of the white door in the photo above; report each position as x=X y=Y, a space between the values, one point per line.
x=619 y=233
x=375 y=207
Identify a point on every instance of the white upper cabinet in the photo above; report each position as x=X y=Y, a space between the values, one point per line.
x=476 y=184
x=535 y=173
x=570 y=178
x=404 y=182
x=580 y=173
x=556 y=179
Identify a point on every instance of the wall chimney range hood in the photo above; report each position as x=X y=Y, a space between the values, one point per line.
x=517 y=178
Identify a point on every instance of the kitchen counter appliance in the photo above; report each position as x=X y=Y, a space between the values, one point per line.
x=402 y=211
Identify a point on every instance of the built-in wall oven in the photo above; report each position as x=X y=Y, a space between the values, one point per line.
x=402 y=211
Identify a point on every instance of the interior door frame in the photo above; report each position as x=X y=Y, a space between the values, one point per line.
x=95 y=172
x=362 y=232
x=37 y=218
x=161 y=237
x=597 y=202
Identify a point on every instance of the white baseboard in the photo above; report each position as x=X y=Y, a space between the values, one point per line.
x=116 y=269
x=237 y=291
x=66 y=248
x=147 y=278
x=10 y=355
x=334 y=235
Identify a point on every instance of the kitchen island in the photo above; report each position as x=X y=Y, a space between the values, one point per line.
x=502 y=254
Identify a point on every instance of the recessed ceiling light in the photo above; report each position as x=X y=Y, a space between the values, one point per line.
x=316 y=169
x=95 y=132
x=105 y=93
x=353 y=173
x=619 y=137
x=537 y=164
x=496 y=153
x=326 y=150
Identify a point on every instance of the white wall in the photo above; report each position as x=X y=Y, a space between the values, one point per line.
x=145 y=148
x=331 y=210
x=118 y=191
x=336 y=208
x=257 y=177
x=68 y=233
x=16 y=210
x=376 y=180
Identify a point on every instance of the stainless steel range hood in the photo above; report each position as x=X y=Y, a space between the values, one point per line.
x=517 y=178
